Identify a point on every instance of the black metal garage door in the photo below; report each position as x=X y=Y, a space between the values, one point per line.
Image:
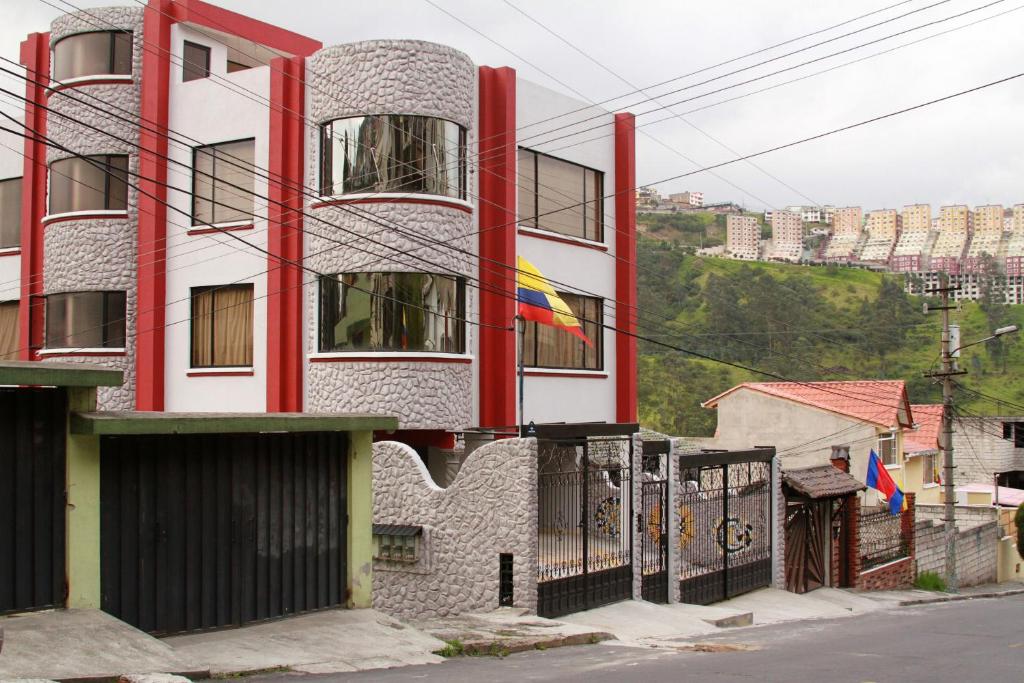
x=205 y=531
x=32 y=471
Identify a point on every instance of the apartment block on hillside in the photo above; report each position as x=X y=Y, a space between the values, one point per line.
x=847 y=220
x=743 y=237
x=917 y=218
x=787 y=236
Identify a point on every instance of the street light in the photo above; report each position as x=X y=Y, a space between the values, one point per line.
x=948 y=370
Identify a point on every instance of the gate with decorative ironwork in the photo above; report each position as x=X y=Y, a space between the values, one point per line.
x=725 y=524
x=585 y=508
x=653 y=522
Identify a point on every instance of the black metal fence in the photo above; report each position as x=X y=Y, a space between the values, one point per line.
x=881 y=539
x=725 y=524
x=653 y=522
x=585 y=508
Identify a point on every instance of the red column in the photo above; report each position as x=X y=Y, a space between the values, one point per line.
x=625 y=268
x=35 y=57
x=284 y=235
x=497 y=212
x=151 y=210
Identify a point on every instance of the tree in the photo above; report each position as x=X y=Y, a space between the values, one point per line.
x=887 y=321
x=992 y=302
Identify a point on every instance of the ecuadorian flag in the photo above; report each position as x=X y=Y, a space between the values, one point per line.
x=878 y=478
x=539 y=302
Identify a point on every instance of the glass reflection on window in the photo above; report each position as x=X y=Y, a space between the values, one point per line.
x=392 y=312
x=98 y=53
x=394 y=153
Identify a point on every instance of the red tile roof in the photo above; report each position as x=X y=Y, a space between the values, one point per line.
x=877 y=401
x=929 y=423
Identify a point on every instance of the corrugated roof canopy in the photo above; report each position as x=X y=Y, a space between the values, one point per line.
x=823 y=481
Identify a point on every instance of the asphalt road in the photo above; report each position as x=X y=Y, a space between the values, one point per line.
x=960 y=642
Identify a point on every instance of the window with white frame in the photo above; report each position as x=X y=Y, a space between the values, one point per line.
x=887 y=449
x=928 y=469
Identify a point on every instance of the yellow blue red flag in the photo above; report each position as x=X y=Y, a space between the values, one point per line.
x=538 y=301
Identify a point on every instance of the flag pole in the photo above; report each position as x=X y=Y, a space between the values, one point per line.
x=519 y=325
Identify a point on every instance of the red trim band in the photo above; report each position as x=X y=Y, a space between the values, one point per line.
x=496 y=223
x=371 y=358
x=12 y=252
x=209 y=231
x=392 y=200
x=225 y=373
x=43 y=353
x=35 y=57
x=57 y=87
x=625 y=269
x=46 y=220
x=151 y=302
x=539 y=372
x=220 y=19
x=562 y=240
x=284 y=235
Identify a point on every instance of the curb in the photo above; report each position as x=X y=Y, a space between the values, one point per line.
x=500 y=648
x=960 y=598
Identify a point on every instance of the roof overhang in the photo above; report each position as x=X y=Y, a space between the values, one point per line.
x=38 y=374
x=139 y=422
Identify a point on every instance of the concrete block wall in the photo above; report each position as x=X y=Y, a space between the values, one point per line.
x=967 y=516
x=976 y=551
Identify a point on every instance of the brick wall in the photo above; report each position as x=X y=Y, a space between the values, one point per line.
x=976 y=551
x=967 y=516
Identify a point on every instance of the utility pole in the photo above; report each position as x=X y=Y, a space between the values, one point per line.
x=948 y=371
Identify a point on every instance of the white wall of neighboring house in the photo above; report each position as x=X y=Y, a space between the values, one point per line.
x=206 y=110
x=747 y=418
x=552 y=397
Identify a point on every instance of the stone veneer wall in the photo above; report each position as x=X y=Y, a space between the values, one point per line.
x=976 y=551
x=98 y=254
x=382 y=77
x=490 y=508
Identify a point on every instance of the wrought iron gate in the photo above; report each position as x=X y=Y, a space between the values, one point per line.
x=653 y=522
x=585 y=508
x=725 y=524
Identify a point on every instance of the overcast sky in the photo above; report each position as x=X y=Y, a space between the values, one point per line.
x=969 y=150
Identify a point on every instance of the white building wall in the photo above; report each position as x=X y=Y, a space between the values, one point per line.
x=208 y=111
x=555 y=397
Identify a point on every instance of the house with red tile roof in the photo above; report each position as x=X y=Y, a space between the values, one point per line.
x=922 y=453
x=805 y=420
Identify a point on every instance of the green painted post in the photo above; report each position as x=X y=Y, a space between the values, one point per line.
x=360 y=519
x=83 y=508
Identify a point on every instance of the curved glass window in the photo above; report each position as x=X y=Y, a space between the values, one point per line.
x=100 y=53
x=92 y=183
x=392 y=312
x=90 y=320
x=393 y=153
x=10 y=213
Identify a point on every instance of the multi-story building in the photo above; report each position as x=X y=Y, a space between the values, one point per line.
x=692 y=199
x=955 y=218
x=787 y=235
x=1018 y=218
x=988 y=219
x=883 y=224
x=243 y=220
x=743 y=236
x=848 y=220
x=917 y=218
x=828 y=214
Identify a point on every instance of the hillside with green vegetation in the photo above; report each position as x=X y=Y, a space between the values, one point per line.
x=803 y=323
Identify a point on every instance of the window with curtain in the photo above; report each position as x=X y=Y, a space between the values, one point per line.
x=195 y=62
x=97 y=182
x=545 y=346
x=222 y=182
x=222 y=326
x=9 y=333
x=560 y=196
x=10 y=213
x=98 y=53
x=393 y=153
x=89 y=320
x=392 y=312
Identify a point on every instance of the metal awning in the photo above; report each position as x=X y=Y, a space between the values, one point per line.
x=821 y=482
x=397 y=530
x=141 y=422
x=40 y=374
